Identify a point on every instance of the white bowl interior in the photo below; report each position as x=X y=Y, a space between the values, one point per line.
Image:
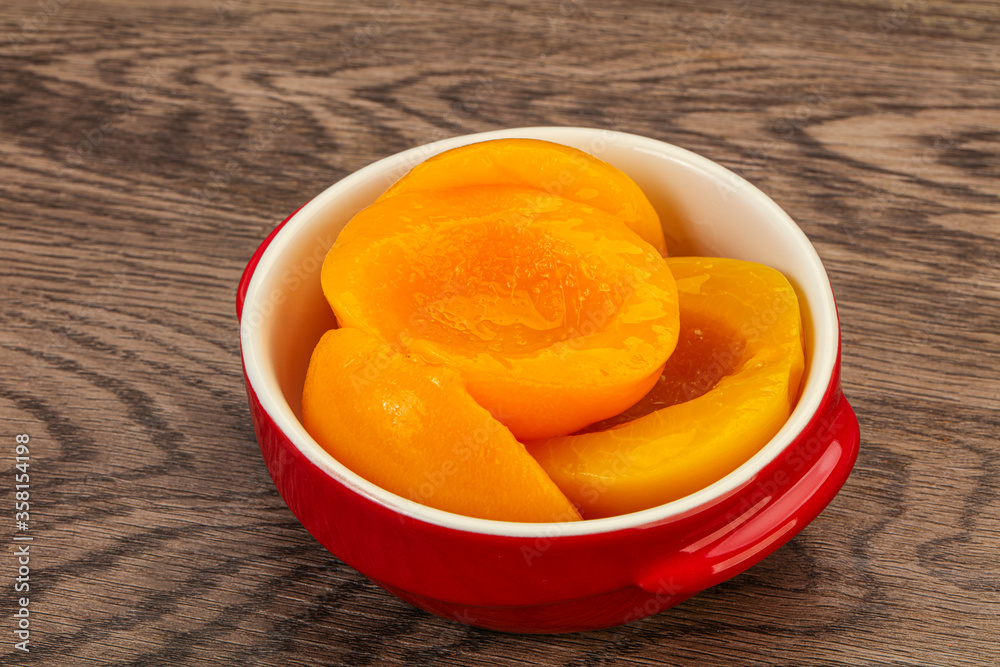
x=706 y=210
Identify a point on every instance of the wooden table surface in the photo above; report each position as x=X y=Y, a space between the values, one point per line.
x=148 y=148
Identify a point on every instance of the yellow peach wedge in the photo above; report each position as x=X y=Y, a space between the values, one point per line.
x=725 y=392
x=413 y=430
x=552 y=168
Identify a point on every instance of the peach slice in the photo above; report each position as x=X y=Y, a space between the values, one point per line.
x=727 y=390
x=413 y=430
x=556 y=314
x=553 y=168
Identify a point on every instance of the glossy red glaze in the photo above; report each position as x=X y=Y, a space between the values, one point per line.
x=557 y=582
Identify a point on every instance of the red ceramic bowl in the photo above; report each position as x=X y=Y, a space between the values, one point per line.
x=555 y=577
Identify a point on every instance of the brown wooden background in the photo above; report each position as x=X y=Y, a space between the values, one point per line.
x=148 y=147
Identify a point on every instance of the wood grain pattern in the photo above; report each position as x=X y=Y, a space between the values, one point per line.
x=147 y=148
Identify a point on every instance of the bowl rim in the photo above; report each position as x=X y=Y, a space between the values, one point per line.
x=272 y=400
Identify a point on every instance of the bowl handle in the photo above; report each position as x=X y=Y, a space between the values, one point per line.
x=747 y=537
x=241 y=289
